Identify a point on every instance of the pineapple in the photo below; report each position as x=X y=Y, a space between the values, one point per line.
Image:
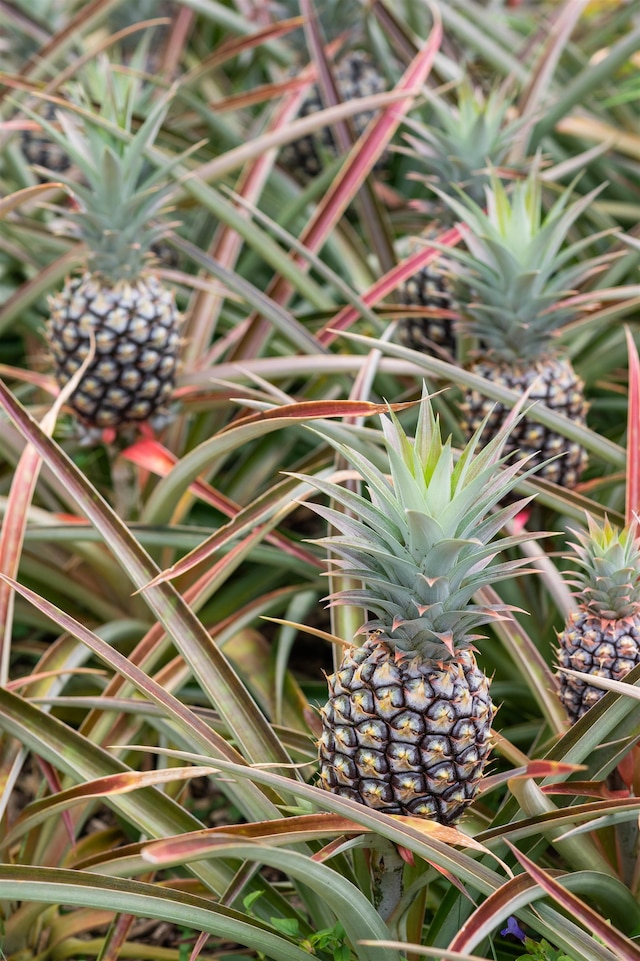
x=407 y=728
x=513 y=285
x=41 y=151
x=455 y=147
x=355 y=75
x=602 y=637
x=119 y=308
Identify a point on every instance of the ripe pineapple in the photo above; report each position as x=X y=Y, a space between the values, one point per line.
x=513 y=284
x=456 y=147
x=119 y=303
x=355 y=75
x=602 y=637
x=407 y=726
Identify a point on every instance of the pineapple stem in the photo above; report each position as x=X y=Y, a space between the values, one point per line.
x=387 y=870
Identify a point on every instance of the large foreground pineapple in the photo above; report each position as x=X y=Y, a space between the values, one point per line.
x=119 y=309
x=407 y=726
x=354 y=71
x=455 y=147
x=513 y=285
x=602 y=637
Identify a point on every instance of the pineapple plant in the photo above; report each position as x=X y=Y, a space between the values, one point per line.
x=407 y=727
x=513 y=284
x=602 y=637
x=355 y=75
x=118 y=312
x=456 y=148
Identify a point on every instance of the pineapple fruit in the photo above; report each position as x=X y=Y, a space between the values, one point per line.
x=119 y=310
x=355 y=75
x=513 y=284
x=41 y=151
x=407 y=727
x=602 y=637
x=456 y=148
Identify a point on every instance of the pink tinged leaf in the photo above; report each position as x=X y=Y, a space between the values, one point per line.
x=533 y=769
x=430 y=581
x=201 y=941
x=362 y=158
x=387 y=284
x=53 y=781
x=370 y=147
x=621 y=946
x=23 y=485
x=594 y=789
x=10 y=203
x=632 y=506
x=227 y=241
x=152 y=456
x=494 y=909
x=407 y=856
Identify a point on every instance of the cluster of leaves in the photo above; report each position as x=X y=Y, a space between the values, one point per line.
x=162 y=636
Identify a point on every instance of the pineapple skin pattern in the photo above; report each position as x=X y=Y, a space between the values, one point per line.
x=406 y=736
x=407 y=726
x=135 y=329
x=554 y=382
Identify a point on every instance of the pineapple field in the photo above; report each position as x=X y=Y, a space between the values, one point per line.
x=319 y=480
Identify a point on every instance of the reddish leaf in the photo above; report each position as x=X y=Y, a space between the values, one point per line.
x=152 y=456
x=387 y=284
x=314 y=409
x=633 y=432
x=621 y=946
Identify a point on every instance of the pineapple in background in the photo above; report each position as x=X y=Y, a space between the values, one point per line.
x=457 y=147
x=513 y=284
x=407 y=727
x=119 y=308
x=41 y=151
x=355 y=75
x=602 y=637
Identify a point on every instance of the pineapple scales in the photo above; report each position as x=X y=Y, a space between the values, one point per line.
x=514 y=284
x=602 y=637
x=407 y=726
x=455 y=148
x=355 y=74
x=119 y=308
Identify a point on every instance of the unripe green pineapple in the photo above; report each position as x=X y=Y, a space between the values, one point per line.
x=355 y=74
x=456 y=147
x=119 y=308
x=513 y=284
x=407 y=727
x=602 y=637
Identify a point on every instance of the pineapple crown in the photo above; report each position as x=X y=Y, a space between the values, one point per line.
x=608 y=584
x=423 y=543
x=517 y=274
x=122 y=191
x=461 y=140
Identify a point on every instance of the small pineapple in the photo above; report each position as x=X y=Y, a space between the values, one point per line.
x=513 y=285
x=41 y=151
x=119 y=308
x=407 y=727
x=355 y=74
x=457 y=147
x=602 y=637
